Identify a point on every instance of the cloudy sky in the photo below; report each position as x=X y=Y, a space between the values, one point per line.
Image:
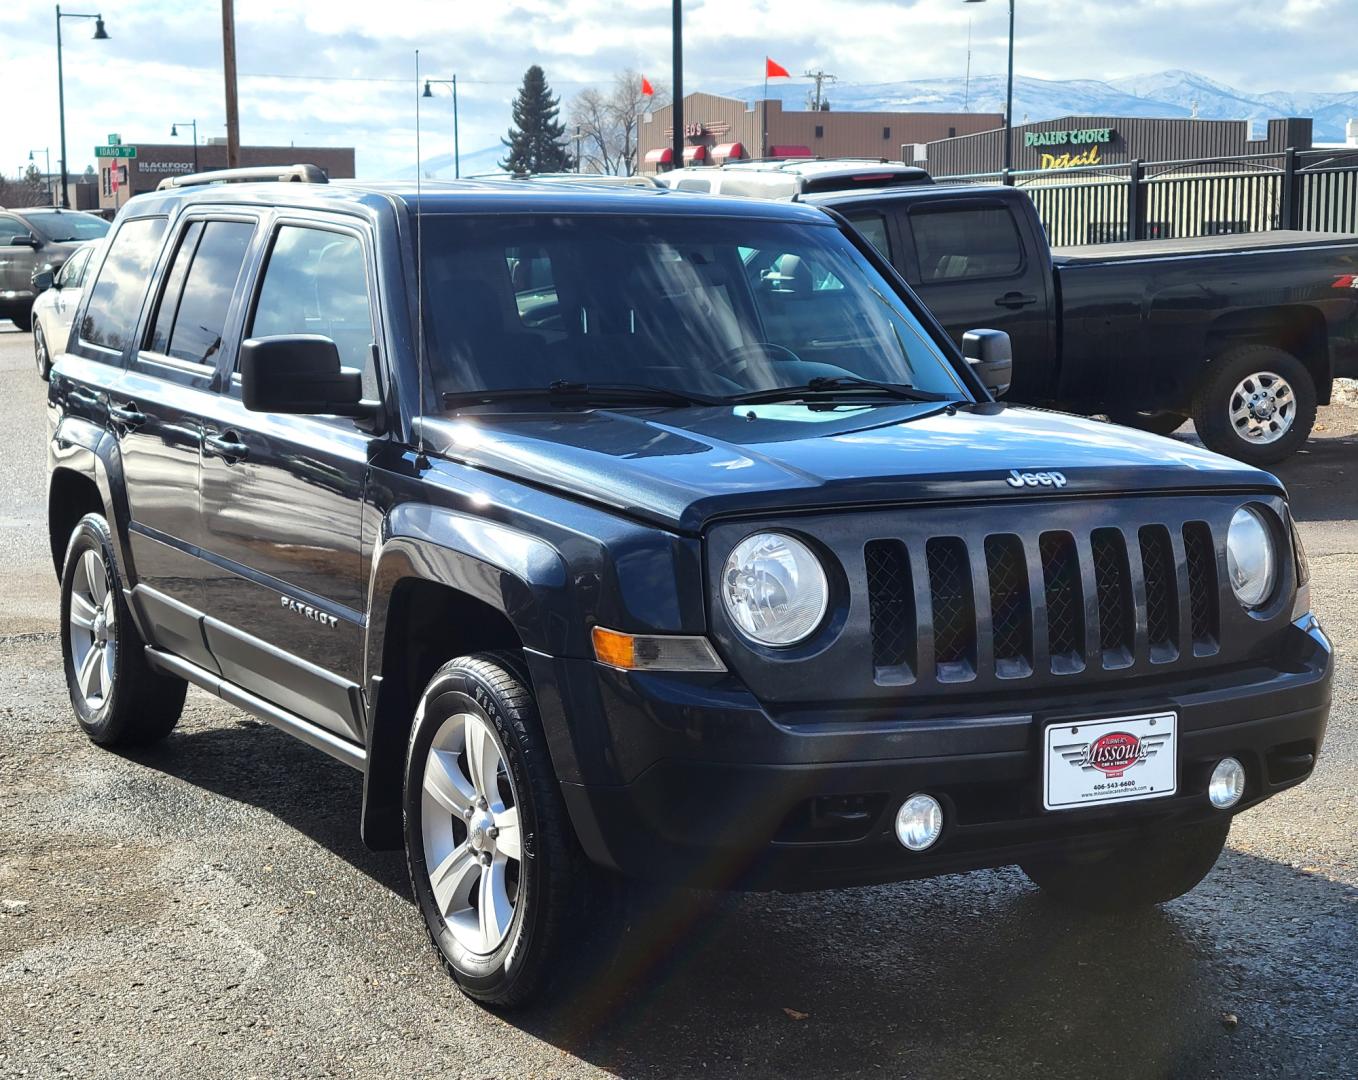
x=340 y=72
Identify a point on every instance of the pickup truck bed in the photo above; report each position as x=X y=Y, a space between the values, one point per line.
x=1230 y=244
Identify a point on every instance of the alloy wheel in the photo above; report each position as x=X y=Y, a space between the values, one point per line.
x=1262 y=407
x=40 y=349
x=90 y=629
x=470 y=827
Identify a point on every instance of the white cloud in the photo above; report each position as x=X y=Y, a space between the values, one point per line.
x=163 y=63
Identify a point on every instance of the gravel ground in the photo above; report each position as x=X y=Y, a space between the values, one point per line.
x=206 y=909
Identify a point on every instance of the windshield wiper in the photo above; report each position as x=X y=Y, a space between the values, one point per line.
x=565 y=392
x=829 y=384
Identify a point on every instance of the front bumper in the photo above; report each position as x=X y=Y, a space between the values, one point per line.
x=668 y=779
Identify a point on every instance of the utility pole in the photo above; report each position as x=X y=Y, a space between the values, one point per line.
x=229 y=69
x=677 y=76
x=819 y=77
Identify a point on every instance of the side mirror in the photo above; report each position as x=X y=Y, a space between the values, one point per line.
x=991 y=356
x=301 y=374
x=44 y=280
x=27 y=240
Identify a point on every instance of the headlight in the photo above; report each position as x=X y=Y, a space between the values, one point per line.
x=1250 y=560
x=774 y=589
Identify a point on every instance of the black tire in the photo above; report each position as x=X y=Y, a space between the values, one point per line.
x=558 y=892
x=23 y=320
x=138 y=705
x=1157 y=423
x=1212 y=404
x=1139 y=873
x=40 y=354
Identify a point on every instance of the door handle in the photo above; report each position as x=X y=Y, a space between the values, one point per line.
x=128 y=415
x=1015 y=300
x=226 y=446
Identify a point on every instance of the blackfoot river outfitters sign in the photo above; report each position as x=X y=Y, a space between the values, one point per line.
x=1092 y=138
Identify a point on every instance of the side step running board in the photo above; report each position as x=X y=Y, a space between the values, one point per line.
x=338 y=748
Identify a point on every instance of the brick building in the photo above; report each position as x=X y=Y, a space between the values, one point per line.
x=719 y=129
x=155 y=161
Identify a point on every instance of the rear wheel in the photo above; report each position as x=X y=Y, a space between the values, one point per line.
x=1156 y=422
x=118 y=699
x=507 y=895
x=1257 y=404
x=1148 y=869
x=40 y=353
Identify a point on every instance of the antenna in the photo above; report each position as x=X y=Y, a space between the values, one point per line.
x=421 y=459
x=966 y=100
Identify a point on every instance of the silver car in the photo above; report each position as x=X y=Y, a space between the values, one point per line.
x=55 y=306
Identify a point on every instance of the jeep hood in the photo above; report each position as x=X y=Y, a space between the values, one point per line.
x=681 y=468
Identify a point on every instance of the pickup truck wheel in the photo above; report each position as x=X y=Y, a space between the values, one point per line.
x=1157 y=423
x=494 y=864
x=1257 y=404
x=1150 y=869
x=40 y=353
x=119 y=700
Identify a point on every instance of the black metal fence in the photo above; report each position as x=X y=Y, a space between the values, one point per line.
x=1159 y=200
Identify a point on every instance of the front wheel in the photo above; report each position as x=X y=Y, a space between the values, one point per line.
x=1257 y=404
x=505 y=890
x=40 y=354
x=1149 y=869
x=23 y=320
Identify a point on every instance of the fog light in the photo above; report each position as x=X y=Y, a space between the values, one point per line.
x=919 y=822
x=1227 y=783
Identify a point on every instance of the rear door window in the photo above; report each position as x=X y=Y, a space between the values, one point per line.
x=114 y=305
x=316 y=282
x=872 y=227
x=193 y=331
x=964 y=242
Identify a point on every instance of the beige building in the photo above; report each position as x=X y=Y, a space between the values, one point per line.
x=155 y=161
x=719 y=129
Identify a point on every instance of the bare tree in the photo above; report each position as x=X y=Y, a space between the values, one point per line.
x=26 y=189
x=609 y=123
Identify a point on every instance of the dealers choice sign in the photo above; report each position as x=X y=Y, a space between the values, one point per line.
x=1084 y=141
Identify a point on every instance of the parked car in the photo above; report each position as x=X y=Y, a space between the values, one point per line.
x=58 y=297
x=1244 y=334
x=792 y=178
x=624 y=534
x=33 y=240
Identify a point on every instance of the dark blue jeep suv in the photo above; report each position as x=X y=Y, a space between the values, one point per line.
x=627 y=534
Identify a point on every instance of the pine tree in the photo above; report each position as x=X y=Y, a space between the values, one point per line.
x=536 y=142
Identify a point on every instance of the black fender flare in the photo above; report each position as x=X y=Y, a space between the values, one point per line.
x=519 y=575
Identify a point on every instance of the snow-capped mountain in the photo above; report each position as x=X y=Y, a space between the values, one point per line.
x=1165 y=94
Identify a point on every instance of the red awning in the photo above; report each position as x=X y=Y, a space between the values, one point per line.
x=790 y=151
x=663 y=156
x=728 y=151
x=695 y=153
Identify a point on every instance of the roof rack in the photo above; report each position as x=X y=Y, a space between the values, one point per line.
x=296 y=174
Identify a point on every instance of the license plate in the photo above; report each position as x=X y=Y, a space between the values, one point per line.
x=1109 y=761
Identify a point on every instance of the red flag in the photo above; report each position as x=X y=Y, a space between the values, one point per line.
x=646 y=88
x=775 y=70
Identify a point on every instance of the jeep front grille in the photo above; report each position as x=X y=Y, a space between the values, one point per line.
x=1061 y=602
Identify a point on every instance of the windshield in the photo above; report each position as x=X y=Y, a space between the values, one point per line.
x=713 y=306
x=65 y=226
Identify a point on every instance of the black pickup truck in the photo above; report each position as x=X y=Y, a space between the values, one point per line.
x=1244 y=334
x=612 y=553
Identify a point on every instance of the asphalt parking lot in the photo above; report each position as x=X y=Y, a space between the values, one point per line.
x=206 y=909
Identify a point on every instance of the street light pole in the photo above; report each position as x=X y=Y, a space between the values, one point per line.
x=677 y=77
x=1009 y=99
x=174 y=133
x=429 y=92
x=100 y=34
